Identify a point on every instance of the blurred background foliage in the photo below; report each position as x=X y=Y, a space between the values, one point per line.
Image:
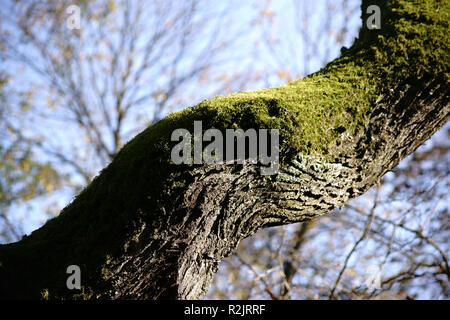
x=70 y=99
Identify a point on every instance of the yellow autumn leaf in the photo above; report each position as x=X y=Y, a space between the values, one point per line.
x=268 y=13
x=282 y=74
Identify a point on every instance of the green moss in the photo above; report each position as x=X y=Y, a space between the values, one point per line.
x=413 y=43
x=310 y=113
x=84 y=294
x=45 y=294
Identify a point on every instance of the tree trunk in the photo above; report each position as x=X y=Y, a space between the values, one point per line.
x=146 y=228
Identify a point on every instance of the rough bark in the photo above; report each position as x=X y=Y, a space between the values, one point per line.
x=148 y=229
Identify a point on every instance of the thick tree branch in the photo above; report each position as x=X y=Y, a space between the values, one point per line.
x=146 y=228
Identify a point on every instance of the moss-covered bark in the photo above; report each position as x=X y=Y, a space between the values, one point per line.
x=146 y=228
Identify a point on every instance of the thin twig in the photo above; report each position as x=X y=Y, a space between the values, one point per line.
x=363 y=236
